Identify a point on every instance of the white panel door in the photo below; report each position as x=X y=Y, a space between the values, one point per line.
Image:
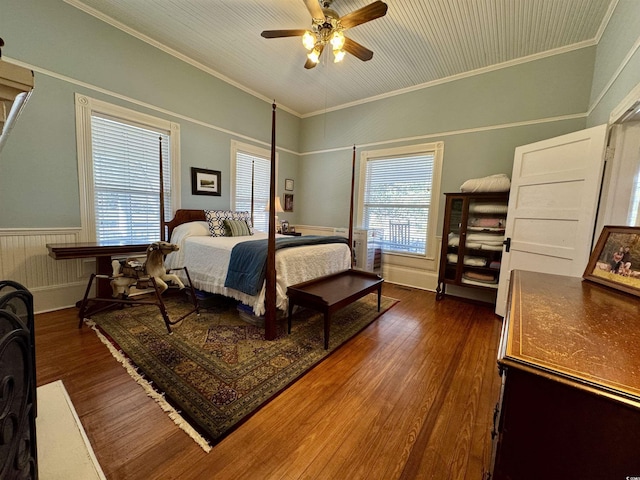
x=552 y=206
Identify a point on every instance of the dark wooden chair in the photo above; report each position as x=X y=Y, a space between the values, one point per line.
x=18 y=448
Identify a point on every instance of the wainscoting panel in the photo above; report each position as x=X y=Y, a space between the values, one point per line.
x=399 y=269
x=57 y=284
x=24 y=259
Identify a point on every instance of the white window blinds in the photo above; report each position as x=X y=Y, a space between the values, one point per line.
x=261 y=176
x=397 y=200
x=126 y=181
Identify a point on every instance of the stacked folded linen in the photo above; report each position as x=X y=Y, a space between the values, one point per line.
x=487 y=241
x=491 y=208
x=479 y=241
x=454 y=241
x=481 y=284
x=486 y=238
x=485 y=229
x=468 y=260
x=486 y=222
x=480 y=277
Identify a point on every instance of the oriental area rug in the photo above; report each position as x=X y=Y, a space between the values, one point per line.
x=216 y=370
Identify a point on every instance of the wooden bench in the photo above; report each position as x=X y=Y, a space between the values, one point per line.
x=332 y=292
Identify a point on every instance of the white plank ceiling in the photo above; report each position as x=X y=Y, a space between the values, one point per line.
x=417 y=43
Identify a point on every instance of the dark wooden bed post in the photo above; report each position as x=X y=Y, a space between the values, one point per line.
x=162 y=224
x=353 y=176
x=253 y=181
x=270 y=287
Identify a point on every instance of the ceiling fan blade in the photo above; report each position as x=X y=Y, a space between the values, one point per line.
x=365 y=14
x=309 y=64
x=357 y=50
x=314 y=9
x=282 y=33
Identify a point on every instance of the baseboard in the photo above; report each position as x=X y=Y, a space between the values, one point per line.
x=410 y=277
x=57 y=297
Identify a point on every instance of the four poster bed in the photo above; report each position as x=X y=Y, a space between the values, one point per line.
x=211 y=263
x=210 y=257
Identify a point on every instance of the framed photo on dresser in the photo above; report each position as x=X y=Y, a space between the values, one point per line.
x=615 y=260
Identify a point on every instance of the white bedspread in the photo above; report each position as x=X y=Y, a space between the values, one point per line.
x=207 y=259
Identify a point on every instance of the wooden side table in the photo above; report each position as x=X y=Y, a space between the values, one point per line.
x=102 y=253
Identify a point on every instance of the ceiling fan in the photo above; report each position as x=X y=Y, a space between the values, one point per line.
x=327 y=28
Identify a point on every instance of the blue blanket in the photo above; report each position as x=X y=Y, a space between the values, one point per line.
x=248 y=262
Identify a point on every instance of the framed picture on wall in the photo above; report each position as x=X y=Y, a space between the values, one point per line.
x=288 y=184
x=288 y=202
x=615 y=260
x=205 y=182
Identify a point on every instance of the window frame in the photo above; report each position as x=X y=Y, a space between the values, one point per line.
x=434 y=148
x=85 y=107
x=249 y=149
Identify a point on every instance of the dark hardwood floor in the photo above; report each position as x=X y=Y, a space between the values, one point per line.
x=411 y=397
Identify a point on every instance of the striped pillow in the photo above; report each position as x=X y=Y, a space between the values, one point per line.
x=236 y=228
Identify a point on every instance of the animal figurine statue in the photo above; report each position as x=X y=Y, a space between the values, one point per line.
x=129 y=272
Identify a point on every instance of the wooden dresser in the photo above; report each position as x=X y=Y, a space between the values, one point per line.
x=569 y=357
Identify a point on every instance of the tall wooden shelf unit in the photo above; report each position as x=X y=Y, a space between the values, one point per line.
x=474 y=226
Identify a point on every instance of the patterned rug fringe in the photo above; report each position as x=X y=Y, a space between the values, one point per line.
x=150 y=391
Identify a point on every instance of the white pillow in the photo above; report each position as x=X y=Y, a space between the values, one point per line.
x=179 y=235
x=493 y=183
x=189 y=229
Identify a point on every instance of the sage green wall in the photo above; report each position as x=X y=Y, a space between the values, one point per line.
x=68 y=48
x=478 y=118
x=620 y=39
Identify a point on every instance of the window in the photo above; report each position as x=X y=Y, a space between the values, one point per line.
x=120 y=160
x=244 y=158
x=397 y=196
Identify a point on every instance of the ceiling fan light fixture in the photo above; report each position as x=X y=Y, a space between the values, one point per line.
x=308 y=40
x=337 y=40
x=314 y=55
x=327 y=29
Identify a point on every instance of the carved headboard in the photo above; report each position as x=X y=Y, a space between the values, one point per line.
x=182 y=216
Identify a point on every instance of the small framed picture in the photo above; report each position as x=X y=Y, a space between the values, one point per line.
x=615 y=260
x=288 y=184
x=205 y=182
x=288 y=202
